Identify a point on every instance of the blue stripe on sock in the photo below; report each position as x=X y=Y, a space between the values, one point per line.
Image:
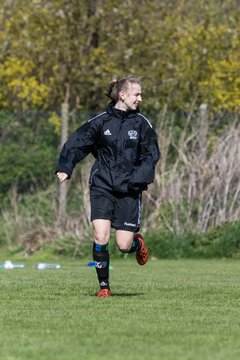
x=98 y=247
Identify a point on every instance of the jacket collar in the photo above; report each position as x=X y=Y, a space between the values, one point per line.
x=111 y=110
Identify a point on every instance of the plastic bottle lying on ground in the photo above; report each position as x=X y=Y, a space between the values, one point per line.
x=43 y=266
x=8 y=264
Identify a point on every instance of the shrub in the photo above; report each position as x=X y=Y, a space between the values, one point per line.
x=216 y=243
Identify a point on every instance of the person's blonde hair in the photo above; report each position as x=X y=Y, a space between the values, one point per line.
x=115 y=86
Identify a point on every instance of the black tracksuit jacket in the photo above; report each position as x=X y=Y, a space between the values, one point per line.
x=124 y=145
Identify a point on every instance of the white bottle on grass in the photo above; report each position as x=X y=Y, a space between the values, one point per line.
x=44 y=266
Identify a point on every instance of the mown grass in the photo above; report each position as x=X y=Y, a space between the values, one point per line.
x=168 y=309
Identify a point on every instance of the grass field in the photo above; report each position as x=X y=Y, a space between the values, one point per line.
x=169 y=310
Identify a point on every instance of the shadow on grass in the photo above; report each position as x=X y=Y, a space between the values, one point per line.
x=122 y=294
x=127 y=294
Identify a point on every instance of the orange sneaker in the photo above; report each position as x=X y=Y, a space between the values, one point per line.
x=142 y=254
x=104 y=293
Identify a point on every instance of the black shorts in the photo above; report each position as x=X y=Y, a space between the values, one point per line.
x=123 y=210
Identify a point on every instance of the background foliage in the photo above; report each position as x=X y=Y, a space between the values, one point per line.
x=185 y=51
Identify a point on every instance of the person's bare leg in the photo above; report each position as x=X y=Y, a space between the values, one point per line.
x=124 y=240
x=101 y=231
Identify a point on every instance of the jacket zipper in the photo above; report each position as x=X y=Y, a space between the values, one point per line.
x=120 y=146
x=92 y=175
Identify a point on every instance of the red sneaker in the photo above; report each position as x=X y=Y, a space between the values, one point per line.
x=141 y=254
x=104 y=293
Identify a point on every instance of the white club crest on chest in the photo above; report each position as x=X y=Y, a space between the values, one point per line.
x=132 y=134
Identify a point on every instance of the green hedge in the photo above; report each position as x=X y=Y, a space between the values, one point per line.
x=217 y=243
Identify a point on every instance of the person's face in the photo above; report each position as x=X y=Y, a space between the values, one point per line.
x=132 y=97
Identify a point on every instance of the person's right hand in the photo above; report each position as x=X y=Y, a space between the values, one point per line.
x=62 y=176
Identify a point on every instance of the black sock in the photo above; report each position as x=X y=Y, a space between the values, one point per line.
x=101 y=258
x=136 y=245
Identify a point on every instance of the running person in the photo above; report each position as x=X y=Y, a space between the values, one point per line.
x=125 y=147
